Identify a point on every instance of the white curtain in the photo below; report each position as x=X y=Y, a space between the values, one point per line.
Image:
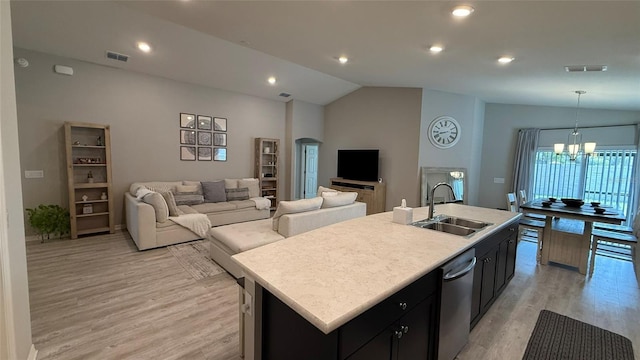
x=635 y=195
x=524 y=160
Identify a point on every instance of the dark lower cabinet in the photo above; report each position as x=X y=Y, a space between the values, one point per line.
x=410 y=338
x=402 y=327
x=496 y=266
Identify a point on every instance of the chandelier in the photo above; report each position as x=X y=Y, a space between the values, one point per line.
x=574 y=143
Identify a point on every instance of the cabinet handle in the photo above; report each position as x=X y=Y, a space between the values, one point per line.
x=398 y=334
x=512 y=229
x=403 y=305
x=405 y=329
x=511 y=241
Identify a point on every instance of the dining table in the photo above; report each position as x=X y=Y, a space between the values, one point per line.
x=562 y=244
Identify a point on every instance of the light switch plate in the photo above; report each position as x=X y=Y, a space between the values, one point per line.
x=498 y=180
x=34 y=174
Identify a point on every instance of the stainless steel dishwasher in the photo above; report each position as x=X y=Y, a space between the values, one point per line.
x=455 y=307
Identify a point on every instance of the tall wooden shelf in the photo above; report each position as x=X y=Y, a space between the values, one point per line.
x=266 y=168
x=88 y=148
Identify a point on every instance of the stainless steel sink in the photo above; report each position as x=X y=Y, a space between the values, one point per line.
x=451 y=225
x=474 y=224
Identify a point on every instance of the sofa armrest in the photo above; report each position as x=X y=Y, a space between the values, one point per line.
x=141 y=222
x=298 y=223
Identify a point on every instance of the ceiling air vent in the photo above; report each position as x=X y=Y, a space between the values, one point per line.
x=284 y=94
x=583 y=68
x=116 y=56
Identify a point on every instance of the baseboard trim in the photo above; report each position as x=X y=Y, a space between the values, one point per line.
x=33 y=353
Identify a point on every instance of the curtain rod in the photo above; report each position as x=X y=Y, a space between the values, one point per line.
x=589 y=127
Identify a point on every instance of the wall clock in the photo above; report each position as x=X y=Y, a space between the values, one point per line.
x=444 y=132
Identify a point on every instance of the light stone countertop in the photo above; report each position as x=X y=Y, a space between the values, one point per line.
x=333 y=274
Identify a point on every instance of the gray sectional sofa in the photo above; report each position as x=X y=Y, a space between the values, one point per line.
x=147 y=232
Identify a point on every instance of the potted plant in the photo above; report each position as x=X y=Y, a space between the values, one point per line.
x=49 y=219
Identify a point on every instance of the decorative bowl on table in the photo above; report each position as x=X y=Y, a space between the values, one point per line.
x=551 y=199
x=572 y=202
x=599 y=210
x=595 y=204
x=546 y=204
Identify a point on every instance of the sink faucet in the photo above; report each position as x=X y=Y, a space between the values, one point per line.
x=433 y=190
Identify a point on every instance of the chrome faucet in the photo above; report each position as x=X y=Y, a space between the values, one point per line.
x=433 y=190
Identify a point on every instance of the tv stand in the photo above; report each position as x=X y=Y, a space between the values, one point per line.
x=371 y=193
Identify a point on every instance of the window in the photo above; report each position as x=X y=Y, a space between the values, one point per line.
x=604 y=177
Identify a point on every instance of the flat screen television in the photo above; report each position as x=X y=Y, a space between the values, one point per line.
x=358 y=164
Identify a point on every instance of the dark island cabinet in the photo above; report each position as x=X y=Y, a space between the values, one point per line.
x=403 y=326
x=496 y=266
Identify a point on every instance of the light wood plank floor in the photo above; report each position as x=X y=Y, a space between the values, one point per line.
x=100 y=298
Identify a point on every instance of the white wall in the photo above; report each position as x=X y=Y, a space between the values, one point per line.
x=387 y=119
x=500 y=133
x=15 y=322
x=143 y=113
x=307 y=122
x=469 y=112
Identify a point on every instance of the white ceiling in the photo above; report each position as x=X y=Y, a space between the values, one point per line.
x=236 y=45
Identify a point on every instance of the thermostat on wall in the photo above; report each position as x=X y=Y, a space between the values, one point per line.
x=64 y=70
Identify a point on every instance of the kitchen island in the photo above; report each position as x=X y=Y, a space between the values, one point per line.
x=330 y=277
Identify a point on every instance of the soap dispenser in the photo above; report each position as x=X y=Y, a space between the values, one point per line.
x=403 y=214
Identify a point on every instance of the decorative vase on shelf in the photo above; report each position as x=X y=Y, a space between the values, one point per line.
x=85 y=198
x=103 y=196
x=90 y=177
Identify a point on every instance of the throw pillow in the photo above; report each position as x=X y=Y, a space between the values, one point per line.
x=237 y=194
x=193 y=189
x=231 y=183
x=188 y=199
x=322 y=189
x=171 y=204
x=214 y=191
x=142 y=191
x=296 y=206
x=198 y=189
x=252 y=184
x=341 y=199
x=159 y=205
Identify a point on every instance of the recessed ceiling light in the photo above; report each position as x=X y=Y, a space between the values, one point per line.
x=343 y=59
x=462 y=11
x=436 y=49
x=144 y=47
x=272 y=80
x=506 y=59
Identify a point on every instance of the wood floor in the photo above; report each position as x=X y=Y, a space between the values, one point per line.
x=100 y=298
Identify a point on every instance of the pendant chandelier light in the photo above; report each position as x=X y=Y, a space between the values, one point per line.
x=574 y=142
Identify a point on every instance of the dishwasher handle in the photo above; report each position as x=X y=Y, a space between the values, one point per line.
x=449 y=276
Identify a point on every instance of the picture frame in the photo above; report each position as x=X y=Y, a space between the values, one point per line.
x=204 y=154
x=220 y=124
x=204 y=138
x=188 y=137
x=187 y=120
x=219 y=139
x=188 y=153
x=219 y=154
x=204 y=122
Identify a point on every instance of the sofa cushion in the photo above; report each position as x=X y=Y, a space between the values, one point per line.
x=245 y=236
x=188 y=199
x=159 y=206
x=237 y=194
x=171 y=204
x=252 y=184
x=243 y=204
x=340 y=199
x=197 y=184
x=187 y=209
x=213 y=191
x=296 y=206
x=230 y=183
x=322 y=189
x=208 y=208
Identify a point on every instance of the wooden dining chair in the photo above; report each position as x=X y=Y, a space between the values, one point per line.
x=527 y=223
x=617 y=237
x=523 y=199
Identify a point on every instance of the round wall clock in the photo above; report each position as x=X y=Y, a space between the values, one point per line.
x=444 y=132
